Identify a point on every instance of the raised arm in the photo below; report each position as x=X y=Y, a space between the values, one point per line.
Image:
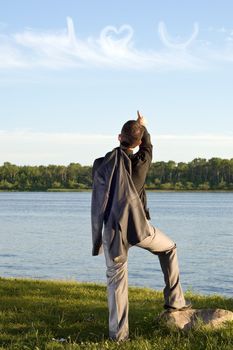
x=145 y=146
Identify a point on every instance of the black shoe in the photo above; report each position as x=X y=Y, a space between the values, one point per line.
x=169 y=308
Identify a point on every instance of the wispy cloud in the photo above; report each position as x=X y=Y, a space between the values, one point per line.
x=174 y=44
x=30 y=147
x=198 y=137
x=113 y=48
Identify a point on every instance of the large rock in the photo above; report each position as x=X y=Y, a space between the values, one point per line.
x=190 y=318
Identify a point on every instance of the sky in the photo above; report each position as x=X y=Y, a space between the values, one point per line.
x=72 y=72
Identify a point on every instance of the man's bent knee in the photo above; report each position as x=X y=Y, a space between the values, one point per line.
x=170 y=250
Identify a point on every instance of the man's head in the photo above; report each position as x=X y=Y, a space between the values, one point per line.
x=131 y=134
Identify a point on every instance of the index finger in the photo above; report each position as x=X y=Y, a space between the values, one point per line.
x=139 y=116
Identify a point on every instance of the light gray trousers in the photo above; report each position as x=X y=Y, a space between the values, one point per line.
x=117 y=280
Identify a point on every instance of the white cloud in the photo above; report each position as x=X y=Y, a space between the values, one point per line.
x=34 y=148
x=187 y=147
x=113 y=48
x=198 y=137
x=171 y=43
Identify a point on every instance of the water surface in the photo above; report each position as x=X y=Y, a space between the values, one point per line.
x=48 y=235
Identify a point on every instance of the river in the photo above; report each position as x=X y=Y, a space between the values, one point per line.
x=48 y=236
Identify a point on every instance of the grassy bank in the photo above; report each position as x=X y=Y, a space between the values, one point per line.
x=69 y=315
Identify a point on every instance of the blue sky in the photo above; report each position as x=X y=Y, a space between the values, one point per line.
x=72 y=72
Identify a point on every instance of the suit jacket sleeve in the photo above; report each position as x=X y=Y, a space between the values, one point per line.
x=103 y=176
x=97 y=209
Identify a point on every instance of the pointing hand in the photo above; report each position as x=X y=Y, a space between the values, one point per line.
x=141 y=120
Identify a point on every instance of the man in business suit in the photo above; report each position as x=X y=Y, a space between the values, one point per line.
x=119 y=205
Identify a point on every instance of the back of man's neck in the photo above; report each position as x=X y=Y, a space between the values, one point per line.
x=127 y=150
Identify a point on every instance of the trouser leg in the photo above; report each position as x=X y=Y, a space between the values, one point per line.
x=117 y=287
x=173 y=294
x=159 y=244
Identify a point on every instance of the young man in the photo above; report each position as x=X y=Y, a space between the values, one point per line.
x=119 y=204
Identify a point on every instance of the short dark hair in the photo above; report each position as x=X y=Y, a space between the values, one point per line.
x=131 y=133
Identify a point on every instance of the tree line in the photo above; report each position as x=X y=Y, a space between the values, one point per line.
x=199 y=174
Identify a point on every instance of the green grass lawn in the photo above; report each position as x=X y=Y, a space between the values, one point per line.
x=39 y=314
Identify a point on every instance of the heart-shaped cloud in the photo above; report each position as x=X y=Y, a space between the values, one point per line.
x=111 y=37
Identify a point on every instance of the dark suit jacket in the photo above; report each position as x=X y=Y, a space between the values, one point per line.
x=116 y=203
x=141 y=162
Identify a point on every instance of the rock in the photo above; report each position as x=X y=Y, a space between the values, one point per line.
x=190 y=318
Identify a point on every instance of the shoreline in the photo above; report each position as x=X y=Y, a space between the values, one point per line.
x=147 y=190
x=189 y=290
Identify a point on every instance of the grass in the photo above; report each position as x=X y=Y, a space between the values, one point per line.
x=58 y=315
